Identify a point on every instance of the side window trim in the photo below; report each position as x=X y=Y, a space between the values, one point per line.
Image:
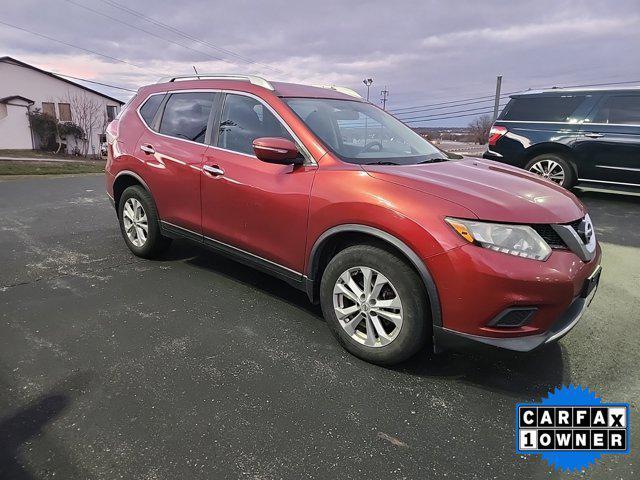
x=211 y=137
x=216 y=115
x=155 y=123
x=309 y=160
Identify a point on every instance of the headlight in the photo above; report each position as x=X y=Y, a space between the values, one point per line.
x=518 y=240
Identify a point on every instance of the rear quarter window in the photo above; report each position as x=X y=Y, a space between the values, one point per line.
x=150 y=107
x=556 y=108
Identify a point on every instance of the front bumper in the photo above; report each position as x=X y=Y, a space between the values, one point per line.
x=445 y=338
x=477 y=286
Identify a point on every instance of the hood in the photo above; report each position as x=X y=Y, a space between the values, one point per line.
x=493 y=191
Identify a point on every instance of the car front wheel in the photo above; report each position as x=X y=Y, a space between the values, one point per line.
x=375 y=304
x=139 y=223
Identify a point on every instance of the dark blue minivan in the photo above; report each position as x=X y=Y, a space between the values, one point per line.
x=572 y=137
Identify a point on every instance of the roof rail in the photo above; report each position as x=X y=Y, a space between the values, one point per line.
x=345 y=90
x=253 y=79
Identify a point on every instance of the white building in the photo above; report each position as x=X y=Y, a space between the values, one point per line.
x=24 y=88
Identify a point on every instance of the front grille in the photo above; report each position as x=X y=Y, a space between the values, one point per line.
x=575 y=224
x=550 y=236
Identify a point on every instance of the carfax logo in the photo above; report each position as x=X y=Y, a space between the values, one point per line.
x=572 y=428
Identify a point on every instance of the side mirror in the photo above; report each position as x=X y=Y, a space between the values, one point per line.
x=277 y=150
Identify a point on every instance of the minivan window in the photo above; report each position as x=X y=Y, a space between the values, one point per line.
x=150 y=107
x=553 y=108
x=243 y=120
x=186 y=115
x=623 y=109
x=359 y=132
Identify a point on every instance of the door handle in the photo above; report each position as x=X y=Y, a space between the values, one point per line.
x=213 y=170
x=148 y=149
x=593 y=135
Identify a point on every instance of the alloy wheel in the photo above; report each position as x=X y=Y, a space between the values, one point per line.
x=135 y=221
x=549 y=169
x=367 y=306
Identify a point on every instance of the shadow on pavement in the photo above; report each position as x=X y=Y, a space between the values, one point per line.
x=203 y=258
x=29 y=423
x=525 y=375
x=522 y=375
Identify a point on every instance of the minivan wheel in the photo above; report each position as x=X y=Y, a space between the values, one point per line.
x=553 y=167
x=375 y=304
x=139 y=223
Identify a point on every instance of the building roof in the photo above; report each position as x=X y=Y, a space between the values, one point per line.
x=26 y=65
x=16 y=97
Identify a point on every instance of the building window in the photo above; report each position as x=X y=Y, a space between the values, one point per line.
x=49 y=108
x=111 y=112
x=64 y=109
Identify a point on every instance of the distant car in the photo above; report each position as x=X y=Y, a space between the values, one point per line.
x=400 y=245
x=572 y=137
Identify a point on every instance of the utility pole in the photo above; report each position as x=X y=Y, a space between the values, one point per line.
x=383 y=97
x=367 y=82
x=497 y=102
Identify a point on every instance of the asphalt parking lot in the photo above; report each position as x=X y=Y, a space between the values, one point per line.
x=197 y=367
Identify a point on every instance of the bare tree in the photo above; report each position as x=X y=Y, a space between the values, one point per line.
x=88 y=113
x=479 y=129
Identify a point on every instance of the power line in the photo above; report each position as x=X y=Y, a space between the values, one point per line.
x=445 y=118
x=94 y=82
x=447 y=107
x=595 y=84
x=453 y=101
x=487 y=97
x=79 y=48
x=186 y=35
x=147 y=31
x=447 y=113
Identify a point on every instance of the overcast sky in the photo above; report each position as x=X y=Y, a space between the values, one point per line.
x=424 y=51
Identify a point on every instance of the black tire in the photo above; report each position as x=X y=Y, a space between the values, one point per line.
x=416 y=326
x=155 y=242
x=567 y=168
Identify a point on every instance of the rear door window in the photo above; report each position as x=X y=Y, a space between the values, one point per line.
x=619 y=109
x=186 y=115
x=556 y=108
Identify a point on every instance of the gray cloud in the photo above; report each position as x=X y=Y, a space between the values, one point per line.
x=425 y=51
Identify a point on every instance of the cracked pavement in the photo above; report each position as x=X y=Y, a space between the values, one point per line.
x=194 y=366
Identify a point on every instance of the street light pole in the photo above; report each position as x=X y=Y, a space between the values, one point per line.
x=367 y=82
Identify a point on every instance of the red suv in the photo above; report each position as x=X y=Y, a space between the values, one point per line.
x=401 y=245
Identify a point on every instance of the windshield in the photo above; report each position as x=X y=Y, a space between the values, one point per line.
x=359 y=132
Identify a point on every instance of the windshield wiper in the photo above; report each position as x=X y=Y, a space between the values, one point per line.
x=382 y=162
x=432 y=160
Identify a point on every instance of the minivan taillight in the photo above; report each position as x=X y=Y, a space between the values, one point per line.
x=495 y=133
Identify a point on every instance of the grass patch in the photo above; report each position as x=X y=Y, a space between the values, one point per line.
x=48 y=168
x=19 y=153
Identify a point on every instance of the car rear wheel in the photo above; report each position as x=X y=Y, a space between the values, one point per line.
x=139 y=223
x=375 y=304
x=553 y=167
